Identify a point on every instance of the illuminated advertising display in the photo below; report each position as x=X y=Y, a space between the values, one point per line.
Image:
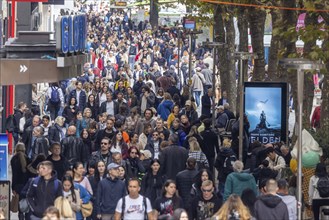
x=266 y=108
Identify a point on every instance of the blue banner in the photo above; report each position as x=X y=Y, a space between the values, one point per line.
x=3 y=157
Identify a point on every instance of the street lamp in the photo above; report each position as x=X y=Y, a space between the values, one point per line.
x=301 y=65
x=214 y=46
x=242 y=56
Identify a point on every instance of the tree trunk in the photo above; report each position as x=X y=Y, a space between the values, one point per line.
x=290 y=21
x=275 y=44
x=257 y=25
x=230 y=74
x=310 y=19
x=225 y=33
x=243 y=47
x=154 y=14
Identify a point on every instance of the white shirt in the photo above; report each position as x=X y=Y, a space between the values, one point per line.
x=134 y=208
x=78 y=96
x=110 y=108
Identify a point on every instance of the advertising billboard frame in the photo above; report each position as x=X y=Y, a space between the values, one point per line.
x=283 y=87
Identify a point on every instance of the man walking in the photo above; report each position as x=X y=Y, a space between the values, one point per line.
x=271 y=206
x=44 y=190
x=173 y=158
x=133 y=206
x=110 y=190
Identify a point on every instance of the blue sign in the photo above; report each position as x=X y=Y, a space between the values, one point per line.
x=71 y=33
x=3 y=157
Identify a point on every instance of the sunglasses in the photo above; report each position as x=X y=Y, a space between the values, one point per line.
x=133 y=152
x=206 y=190
x=104 y=143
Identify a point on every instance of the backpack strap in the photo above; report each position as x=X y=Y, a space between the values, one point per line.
x=36 y=181
x=145 y=205
x=123 y=207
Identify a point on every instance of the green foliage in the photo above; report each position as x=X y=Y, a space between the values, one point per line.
x=322 y=137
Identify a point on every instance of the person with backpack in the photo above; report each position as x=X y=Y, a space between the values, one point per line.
x=55 y=99
x=12 y=121
x=238 y=181
x=134 y=205
x=43 y=190
x=109 y=191
x=319 y=190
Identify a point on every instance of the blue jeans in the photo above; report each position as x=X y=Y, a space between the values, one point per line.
x=197 y=95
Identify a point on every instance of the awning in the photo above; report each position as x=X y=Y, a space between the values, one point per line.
x=28 y=71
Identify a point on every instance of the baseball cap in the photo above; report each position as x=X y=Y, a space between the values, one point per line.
x=112 y=166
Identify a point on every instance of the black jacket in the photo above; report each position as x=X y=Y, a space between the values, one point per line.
x=27 y=138
x=173 y=160
x=54 y=134
x=206 y=105
x=42 y=195
x=82 y=98
x=115 y=107
x=224 y=170
x=201 y=209
x=210 y=143
x=40 y=146
x=134 y=166
x=60 y=166
x=72 y=148
x=107 y=159
x=19 y=178
x=271 y=207
x=184 y=181
x=152 y=186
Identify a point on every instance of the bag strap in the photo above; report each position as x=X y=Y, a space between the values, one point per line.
x=145 y=205
x=123 y=207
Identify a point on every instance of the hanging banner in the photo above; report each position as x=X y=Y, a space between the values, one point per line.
x=3 y=157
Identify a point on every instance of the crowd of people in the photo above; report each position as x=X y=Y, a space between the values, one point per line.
x=131 y=138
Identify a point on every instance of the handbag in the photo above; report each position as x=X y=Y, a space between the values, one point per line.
x=87 y=209
x=24 y=206
x=14 y=203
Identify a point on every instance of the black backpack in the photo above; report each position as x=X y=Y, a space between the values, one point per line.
x=228 y=164
x=323 y=186
x=123 y=207
x=10 y=124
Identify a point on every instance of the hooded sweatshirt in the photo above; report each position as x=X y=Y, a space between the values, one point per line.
x=271 y=207
x=291 y=203
x=237 y=182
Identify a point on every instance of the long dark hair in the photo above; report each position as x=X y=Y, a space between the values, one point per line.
x=175 y=198
x=70 y=179
x=197 y=178
x=149 y=172
x=321 y=170
x=75 y=166
x=97 y=175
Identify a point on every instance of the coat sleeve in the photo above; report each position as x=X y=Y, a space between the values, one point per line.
x=228 y=187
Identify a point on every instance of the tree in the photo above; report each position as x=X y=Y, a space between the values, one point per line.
x=154 y=14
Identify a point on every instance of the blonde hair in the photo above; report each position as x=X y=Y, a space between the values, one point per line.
x=64 y=207
x=167 y=96
x=233 y=204
x=227 y=142
x=194 y=144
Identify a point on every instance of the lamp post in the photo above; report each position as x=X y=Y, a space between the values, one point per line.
x=214 y=46
x=242 y=56
x=192 y=35
x=301 y=65
x=179 y=28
